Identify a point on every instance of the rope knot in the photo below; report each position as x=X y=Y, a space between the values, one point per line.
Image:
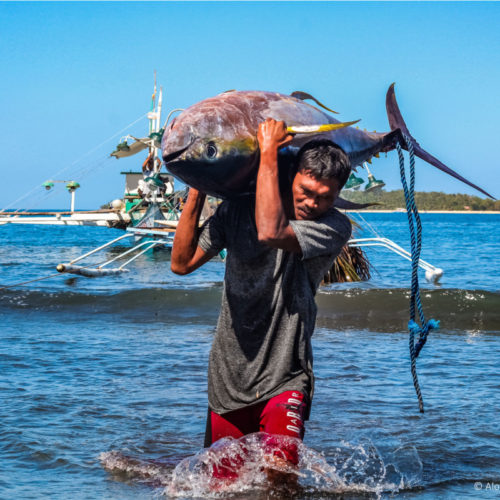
x=422 y=332
x=416 y=329
x=413 y=327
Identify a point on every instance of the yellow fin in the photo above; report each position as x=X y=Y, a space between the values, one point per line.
x=315 y=129
x=376 y=155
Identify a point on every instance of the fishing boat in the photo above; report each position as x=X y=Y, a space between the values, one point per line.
x=142 y=188
x=150 y=209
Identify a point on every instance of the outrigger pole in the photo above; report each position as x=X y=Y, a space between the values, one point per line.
x=142 y=247
x=432 y=273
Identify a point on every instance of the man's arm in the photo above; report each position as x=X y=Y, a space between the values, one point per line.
x=186 y=254
x=273 y=227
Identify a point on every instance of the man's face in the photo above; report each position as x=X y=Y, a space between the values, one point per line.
x=312 y=197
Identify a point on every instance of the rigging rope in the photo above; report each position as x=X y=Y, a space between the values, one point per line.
x=415 y=225
x=41 y=197
x=367 y=224
x=102 y=143
x=30 y=281
x=64 y=169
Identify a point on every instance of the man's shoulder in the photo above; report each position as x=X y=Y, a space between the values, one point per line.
x=242 y=204
x=239 y=203
x=337 y=220
x=235 y=214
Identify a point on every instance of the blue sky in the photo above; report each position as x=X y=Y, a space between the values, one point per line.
x=74 y=74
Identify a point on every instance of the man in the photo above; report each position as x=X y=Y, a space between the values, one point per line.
x=279 y=246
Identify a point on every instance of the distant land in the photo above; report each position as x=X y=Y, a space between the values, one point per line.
x=426 y=201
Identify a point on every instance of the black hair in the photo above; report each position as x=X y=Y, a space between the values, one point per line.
x=324 y=160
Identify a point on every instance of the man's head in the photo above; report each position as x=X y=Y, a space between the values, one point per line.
x=323 y=169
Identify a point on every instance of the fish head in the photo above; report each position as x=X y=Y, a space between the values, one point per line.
x=212 y=146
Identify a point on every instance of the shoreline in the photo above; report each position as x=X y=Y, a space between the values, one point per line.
x=363 y=210
x=402 y=211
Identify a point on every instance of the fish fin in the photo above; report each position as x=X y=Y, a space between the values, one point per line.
x=316 y=129
x=398 y=127
x=304 y=95
x=351 y=205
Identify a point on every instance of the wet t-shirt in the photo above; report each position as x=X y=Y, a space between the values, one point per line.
x=262 y=344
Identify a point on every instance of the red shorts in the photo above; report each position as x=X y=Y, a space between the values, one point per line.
x=283 y=414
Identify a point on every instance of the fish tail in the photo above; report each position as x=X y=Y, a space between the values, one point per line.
x=399 y=129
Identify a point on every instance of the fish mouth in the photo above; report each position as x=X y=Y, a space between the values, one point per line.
x=176 y=154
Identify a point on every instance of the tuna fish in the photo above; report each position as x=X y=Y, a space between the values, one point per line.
x=212 y=145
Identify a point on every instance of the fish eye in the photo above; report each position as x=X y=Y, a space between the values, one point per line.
x=211 y=150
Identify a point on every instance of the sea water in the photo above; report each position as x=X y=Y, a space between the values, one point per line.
x=103 y=381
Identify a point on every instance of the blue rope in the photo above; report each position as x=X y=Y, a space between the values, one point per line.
x=415 y=225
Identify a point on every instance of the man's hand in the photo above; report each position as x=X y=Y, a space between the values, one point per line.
x=272 y=135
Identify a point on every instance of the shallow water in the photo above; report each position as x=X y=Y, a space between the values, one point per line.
x=103 y=381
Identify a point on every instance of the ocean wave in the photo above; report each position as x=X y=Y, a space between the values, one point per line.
x=128 y=300
x=384 y=310
x=387 y=310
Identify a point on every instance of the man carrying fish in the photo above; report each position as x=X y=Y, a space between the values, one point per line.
x=280 y=242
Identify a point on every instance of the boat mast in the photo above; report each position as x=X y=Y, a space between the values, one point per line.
x=158 y=122
x=154 y=117
x=151 y=114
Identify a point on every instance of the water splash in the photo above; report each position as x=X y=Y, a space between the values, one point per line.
x=123 y=467
x=254 y=464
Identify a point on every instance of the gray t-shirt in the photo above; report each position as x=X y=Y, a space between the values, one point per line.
x=262 y=345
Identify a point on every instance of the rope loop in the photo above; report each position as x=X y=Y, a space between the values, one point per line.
x=420 y=331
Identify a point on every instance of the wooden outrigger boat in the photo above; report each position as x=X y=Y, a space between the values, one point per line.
x=150 y=209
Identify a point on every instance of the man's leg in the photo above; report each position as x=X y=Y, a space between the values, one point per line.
x=233 y=424
x=284 y=415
